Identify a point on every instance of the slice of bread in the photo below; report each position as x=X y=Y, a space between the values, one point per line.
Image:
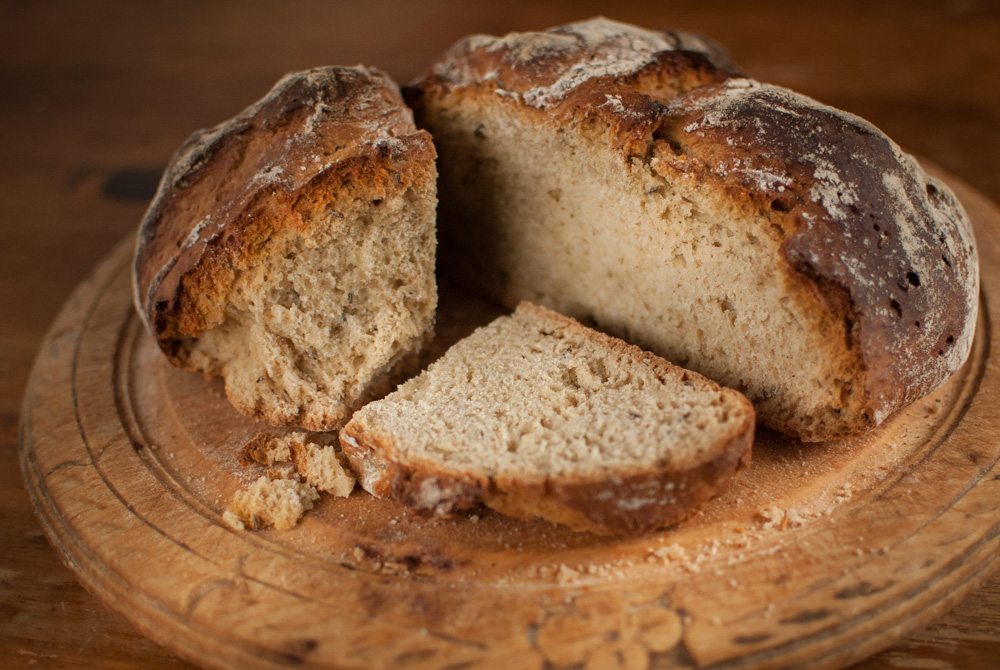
x=538 y=416
x=634 y=180
x=291 y=249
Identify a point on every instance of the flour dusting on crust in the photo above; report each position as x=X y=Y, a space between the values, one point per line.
x=566 y=57
x=868 y=219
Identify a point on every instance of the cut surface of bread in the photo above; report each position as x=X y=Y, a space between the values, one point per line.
x=635 y=180
x=538 y=416
x=291 y=249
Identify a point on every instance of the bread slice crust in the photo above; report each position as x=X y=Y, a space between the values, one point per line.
x=609 y=501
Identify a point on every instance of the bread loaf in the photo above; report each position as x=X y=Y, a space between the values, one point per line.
x=291 y=249
x=538 y=416
x=636 y=180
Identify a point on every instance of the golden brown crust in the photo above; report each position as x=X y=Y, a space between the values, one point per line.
x=231 y=189
x=597 y=68
x=889 y=249
x=876 y=249
x=555 y=68
x=622 y=502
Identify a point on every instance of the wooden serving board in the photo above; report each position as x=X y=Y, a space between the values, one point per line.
x=819 y=554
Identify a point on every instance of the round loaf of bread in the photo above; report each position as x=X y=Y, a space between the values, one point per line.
x=291 y=248
x=636 y=180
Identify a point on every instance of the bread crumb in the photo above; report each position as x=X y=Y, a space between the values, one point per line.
x=234 y=521
x=843 y=494
x=267 y=449
x=692 y=567
x=797 y=517
x=772 y=517
x=271 y=502
x=775 y=517
x=566 y=574
x=298 y=467
x=322 y=468
x=670 y=553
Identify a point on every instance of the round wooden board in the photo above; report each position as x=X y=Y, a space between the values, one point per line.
x=819 y=554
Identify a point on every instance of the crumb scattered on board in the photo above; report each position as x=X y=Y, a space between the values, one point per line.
x=298 y=470
x=300 y=466
x=734 y=546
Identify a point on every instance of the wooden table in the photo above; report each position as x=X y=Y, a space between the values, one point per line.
x=95 y=96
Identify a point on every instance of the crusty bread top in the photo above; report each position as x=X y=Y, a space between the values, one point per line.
x=565 y=65
x=884 y=246
x=229 y=188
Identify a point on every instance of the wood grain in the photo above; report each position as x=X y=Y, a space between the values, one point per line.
x=97 y=95
x=818 y=555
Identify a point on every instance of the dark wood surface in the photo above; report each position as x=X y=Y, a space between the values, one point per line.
x=95 y=96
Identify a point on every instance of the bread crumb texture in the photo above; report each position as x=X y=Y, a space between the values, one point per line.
x=300 y=466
